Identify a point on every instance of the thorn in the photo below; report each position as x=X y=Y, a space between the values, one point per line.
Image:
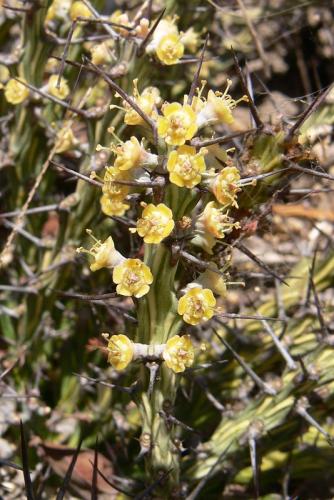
x=243 y=316
x=259 y=262
x=94 y=491
x=195 y=81
x=64 y=104
x=169 y=419
x=310 y=109
x=254 y=464
x=256 y=379
x=301 y=411
x=128 y=390
x=116 y=88
x=142 y=45
x=308 y=171
x=220 y=139
x=323 y=326
x=68 y=475
x=77 y=174
x=194 y=494
x=153 y=368
x=280 y=347
x=25 y=465
x=145 y=494
x=253 y=110
x=310 y=277
x=67 y=46
x=113 y=485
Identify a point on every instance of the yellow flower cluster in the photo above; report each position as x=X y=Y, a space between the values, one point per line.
x=16 y=92
x=103 y=253
x=185 y=166
x=62 y=92
x=133 y=278
x=147 y=101
x=197 y=305
x=120 y=351
x=178 y=123
x=155 y=224
x=166 y=42
x=225 y=186
x=178 y=352
x=114 y=194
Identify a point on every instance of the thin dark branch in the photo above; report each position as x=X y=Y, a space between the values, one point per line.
x=77 y=174
x=94 y=495
x=149 y=489
x=259 y=262
x=195 y=81
x=256 y=379
x=25 y=465
x=253 y=110
x=219 y=140
x=68 y=475
x=310 y=109
x=143 y=44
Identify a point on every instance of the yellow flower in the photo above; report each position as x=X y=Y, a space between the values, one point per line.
x=213 y=280
x=155 y=224
x=179 y=353
x=185 y=166
x=197 y=305
x=178 y=123
x=170 y=49
x=101 y=53
x=129 y=155
x=104 y=254
x=147 y=102
x=58 y=10
x=61 y=92
x=190 y=39
x=225 y=186
x=120 y=351
x=65 y=140
x=133 y=278
x=113 y=205
x=15 y=92
x=119 y=17
x=218 y=107
x=215 y=221
x=79 y=9
x=110 y=187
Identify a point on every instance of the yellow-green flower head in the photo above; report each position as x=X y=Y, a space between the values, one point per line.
x=213 y=280
x=178 y=123
x=119 y=17
x=179 y=353
x=58 y=10
x=61 y=92
x=101 y=53
x=103 y=253
x=214 y=220
x=170 y=49
x=120 y=351
x=218 y=108
x=185 y=166
x=132 y=277
x=130 y=154
x=197 y=305
x=112 y=205
x=16 y=92
x=165 y=42
x=147 y=101
x=79 y=9
x=110 y=187
x=191 y=39
x=155 y=224
x=65 y=140
x=225 y=186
